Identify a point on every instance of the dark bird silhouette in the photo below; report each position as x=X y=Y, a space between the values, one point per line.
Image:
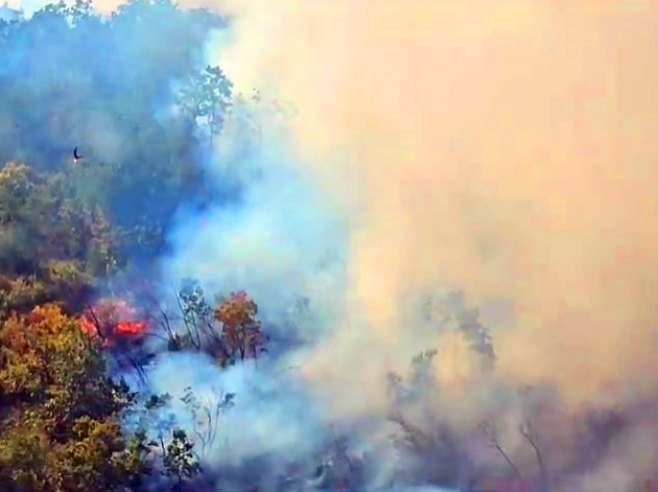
x=76 y=156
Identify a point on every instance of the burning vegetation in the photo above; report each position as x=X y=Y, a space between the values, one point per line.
x=113 y=320
x=241 y=390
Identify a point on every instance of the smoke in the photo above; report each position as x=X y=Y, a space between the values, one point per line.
x=281 y=241
x=284 y=243
x=506 y=149
x=503 y=149
x=264 y=401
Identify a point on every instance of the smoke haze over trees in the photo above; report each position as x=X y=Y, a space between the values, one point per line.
x=248 y=277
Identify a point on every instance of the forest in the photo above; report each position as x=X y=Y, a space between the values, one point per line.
x=122 y=368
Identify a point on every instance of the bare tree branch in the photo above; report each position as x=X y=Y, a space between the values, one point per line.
x=490 y=430
x=530 y=433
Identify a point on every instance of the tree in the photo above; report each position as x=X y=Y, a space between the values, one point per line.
x=179 y=460
x=205 y=415
x=241 y=329
x=197 y=317
x=207 y=99
x=141 y=162
x=437 y=453
x=489 y=428
x=51 y=245
x=61 y=421
x=230 y=332
x=531 y=434
x=452 y=313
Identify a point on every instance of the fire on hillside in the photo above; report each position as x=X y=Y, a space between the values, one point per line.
x=113 y=320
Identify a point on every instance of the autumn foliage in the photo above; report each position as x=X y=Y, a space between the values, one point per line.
x=229 y=330
x=67 y=227
x=60 y=428
x=241 y=328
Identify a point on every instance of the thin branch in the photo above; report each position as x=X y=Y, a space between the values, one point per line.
x=490 y=431
x=530 y=434
x=97 y=323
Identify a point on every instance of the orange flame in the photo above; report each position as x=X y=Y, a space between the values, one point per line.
x=131 y=327
x=115 y=319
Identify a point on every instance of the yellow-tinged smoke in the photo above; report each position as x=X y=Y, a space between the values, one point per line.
x=509 y=148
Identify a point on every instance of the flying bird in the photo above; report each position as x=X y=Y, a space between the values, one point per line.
x=77 y=157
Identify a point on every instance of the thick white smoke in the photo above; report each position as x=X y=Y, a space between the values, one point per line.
x=505 y=148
